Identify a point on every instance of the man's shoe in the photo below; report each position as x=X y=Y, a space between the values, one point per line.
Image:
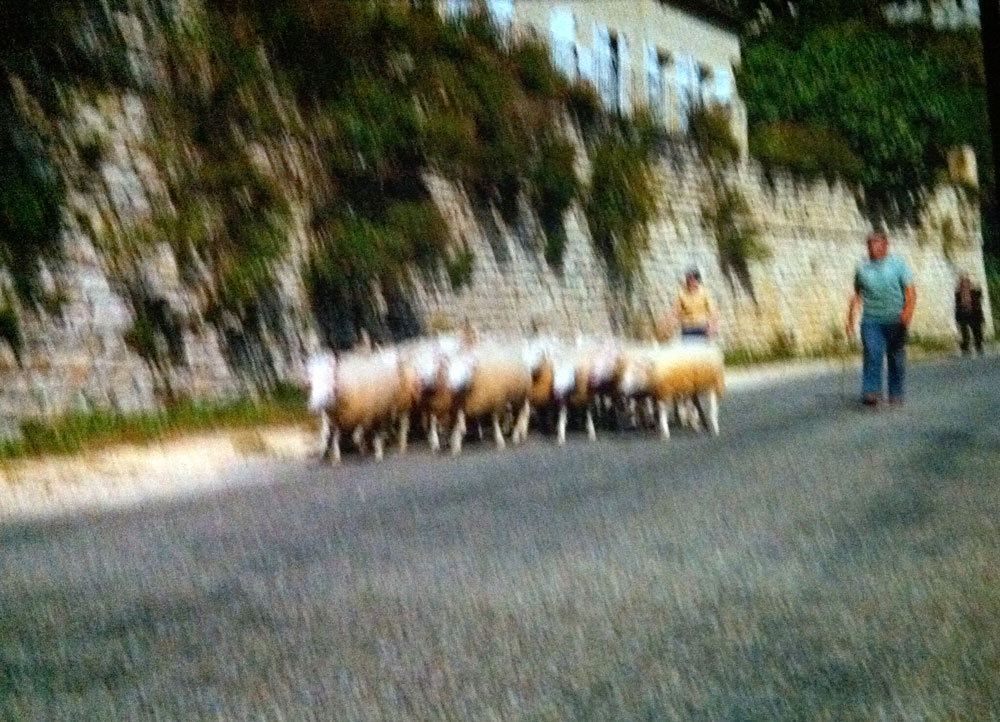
x=870 y=400
x=896 y=401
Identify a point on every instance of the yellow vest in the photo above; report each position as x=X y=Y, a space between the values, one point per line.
x=693 y=309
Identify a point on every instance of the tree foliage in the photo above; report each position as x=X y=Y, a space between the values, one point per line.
x=42 y=43
x=894 y=95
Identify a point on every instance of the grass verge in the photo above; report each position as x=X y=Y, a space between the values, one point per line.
x=76 y=432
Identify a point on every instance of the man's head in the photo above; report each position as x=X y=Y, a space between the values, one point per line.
x=692 y=278
x=878 y=245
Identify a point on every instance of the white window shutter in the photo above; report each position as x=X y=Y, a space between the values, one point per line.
x=585 y=63
x=502 y=13
x=688 y=82
x=654 y=82
x=604 y=73
x=624 y=77
x=723 y=85
x=562 y=30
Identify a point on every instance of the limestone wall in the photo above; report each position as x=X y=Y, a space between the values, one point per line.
x=815 y=233
x=77 y=354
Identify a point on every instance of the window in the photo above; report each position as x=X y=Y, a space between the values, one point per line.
x=656 y=67
x=562 y=30
x=457 y=7
x=611 y=68
x=723 y=90
x=688 y=81
x=502 y=13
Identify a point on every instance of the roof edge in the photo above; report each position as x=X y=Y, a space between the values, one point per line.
x=718 y=12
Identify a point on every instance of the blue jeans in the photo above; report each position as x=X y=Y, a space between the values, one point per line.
x=883 y=341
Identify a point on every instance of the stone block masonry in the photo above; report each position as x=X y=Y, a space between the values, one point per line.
x=797 y=297
x=78 y=358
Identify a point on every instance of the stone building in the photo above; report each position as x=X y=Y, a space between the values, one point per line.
x=666 y=56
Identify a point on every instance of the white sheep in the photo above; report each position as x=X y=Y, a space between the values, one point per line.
x=428 y=360
x=596 y=367
x=676 y=371
x=486 y=380
x=553 y=366
x=361 y=392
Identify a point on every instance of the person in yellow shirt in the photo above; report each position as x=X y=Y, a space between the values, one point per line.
x=694 y=309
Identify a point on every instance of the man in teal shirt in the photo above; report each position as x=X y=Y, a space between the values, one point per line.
x=883 y=288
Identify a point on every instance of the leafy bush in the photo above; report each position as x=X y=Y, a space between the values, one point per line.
x=10 y=329
x=993 y=289
x=534 y=67
x=736 y=235
x=806 y=150
x=459 y=267
x=31 y=196
x=584 y=104
x=711 y=131
x=554 y=186
x=896 y=104
x=621 y=201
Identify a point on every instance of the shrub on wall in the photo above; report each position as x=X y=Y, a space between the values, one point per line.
x=554 y=186
x=808 y=151
x=621 y=200
x=711 y=131
x=44 y=46
x=737 y=236
x=584 y=104
x=10 y=328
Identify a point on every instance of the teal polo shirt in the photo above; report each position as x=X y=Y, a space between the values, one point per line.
x=881 y=285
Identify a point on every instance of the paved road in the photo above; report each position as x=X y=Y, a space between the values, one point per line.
x=272 y=601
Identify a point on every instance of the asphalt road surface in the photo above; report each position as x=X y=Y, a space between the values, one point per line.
x=275 y=600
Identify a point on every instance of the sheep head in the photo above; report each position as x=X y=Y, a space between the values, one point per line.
x=321 y=370
x=634 y=377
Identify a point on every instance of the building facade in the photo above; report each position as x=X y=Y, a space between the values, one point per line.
x=667 y=57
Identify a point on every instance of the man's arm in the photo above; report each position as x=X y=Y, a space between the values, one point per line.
x=853 y=306
x=909 y=301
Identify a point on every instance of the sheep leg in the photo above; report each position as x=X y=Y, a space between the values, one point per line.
x=561 y=425
x=358 y=437
x=457 y=431
x=497 y=431
x=591 y=432
x=325 y=434
x=335 y=444
x=521 y=427
x=713 y=413
x=663 y=412
x=378 y=442
x=699 y=418
x=404 y=431
x=432 y=435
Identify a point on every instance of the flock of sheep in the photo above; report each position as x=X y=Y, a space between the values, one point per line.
x=449 y=380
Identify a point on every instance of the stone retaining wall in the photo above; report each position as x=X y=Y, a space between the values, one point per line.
x=78 y=358
x=815 y=234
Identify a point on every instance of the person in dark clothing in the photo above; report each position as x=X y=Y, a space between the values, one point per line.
x=969 y=314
